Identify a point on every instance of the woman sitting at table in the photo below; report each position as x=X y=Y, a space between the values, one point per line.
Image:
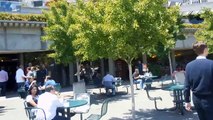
x=32 y=98
x=179 y=75
x=137 y=79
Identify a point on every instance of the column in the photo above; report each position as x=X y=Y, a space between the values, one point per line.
x=102 y=67
x=173 y=59
x=144 y=59
x=111 y=66
x=71 y=73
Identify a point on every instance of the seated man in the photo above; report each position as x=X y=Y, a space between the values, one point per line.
x=48 y=81
x=108 y=82
x=49 y=102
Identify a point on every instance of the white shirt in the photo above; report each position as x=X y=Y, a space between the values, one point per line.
x=20 y=76
x=49 y=103
x=201 y=57
x=30 y=98
x=3 y=76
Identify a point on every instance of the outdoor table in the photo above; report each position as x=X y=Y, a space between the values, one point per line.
x=178 y=96
x=70 y=103
x=148 y=80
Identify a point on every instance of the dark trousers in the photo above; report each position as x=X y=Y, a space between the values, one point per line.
x=60 y=118
x=20 y=84
x=3 y=86
x=203 y=106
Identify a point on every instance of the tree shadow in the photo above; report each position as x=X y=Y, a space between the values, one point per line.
x=99 y=98
x=3 y=109
x=150 y=114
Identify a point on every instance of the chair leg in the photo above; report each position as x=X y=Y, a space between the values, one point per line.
x=81 y=116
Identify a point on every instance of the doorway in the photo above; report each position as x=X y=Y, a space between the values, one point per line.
x=10 y=62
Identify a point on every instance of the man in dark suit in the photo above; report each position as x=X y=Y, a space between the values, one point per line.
x=199 y=79
x=41 y=75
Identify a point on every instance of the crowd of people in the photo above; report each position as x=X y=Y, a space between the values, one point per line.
x=40 y=86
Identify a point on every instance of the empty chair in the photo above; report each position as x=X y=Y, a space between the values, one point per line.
x=82 y=109
x=32 y=111
x=180 y=77
x=79 y=87
x=104 y=109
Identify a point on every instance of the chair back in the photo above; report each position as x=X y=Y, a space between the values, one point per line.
x=180 y=77
x=31 y=112
x=104 y=107
x=79 y=87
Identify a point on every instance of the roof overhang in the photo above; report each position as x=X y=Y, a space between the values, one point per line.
x=9 y=23
x=22 y=51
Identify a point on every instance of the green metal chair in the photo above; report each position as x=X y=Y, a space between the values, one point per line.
x=104 y=109
x=32 y=111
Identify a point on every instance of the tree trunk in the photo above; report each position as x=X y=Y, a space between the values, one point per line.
x=132 y=90
x=170 y=63
x=78 y=70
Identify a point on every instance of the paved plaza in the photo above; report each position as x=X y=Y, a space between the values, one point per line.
x=12 y=108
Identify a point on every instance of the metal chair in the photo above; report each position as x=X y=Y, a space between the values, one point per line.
x=31 y=112
x=79 y=87
x=180 y=77
x=104 y=109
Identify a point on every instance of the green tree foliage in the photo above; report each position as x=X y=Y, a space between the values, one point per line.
x=206 y=32
x=123 y=29
x=118 y=29
x=59 y=19
x=22 y=17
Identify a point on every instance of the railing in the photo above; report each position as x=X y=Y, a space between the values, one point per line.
x=8 y=6
x=20 y=7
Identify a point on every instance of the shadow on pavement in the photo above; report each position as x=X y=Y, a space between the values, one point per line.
x=160 y=115
x=3 y=109
x=99 y=98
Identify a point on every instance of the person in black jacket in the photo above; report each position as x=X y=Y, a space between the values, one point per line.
x=199 y=79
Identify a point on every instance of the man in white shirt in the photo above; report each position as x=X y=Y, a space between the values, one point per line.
x=3 y=81
x=49 y=102
x=109 y=83
x=20 y=77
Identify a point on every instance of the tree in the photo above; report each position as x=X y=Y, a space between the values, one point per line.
x=122 y=29
x=59 y=19
x=205 y=33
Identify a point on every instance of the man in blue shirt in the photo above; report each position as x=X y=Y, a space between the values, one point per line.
x=109 y=83
x=48 y=81
x=199 y=79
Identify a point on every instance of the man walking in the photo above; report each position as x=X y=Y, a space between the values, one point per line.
x=199 y=78
x=3 y=81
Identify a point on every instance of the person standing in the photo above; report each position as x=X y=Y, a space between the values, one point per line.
x=41 y=74
x=140 y=67
x=20 y=77
x=199 y=79
x=3 y=81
